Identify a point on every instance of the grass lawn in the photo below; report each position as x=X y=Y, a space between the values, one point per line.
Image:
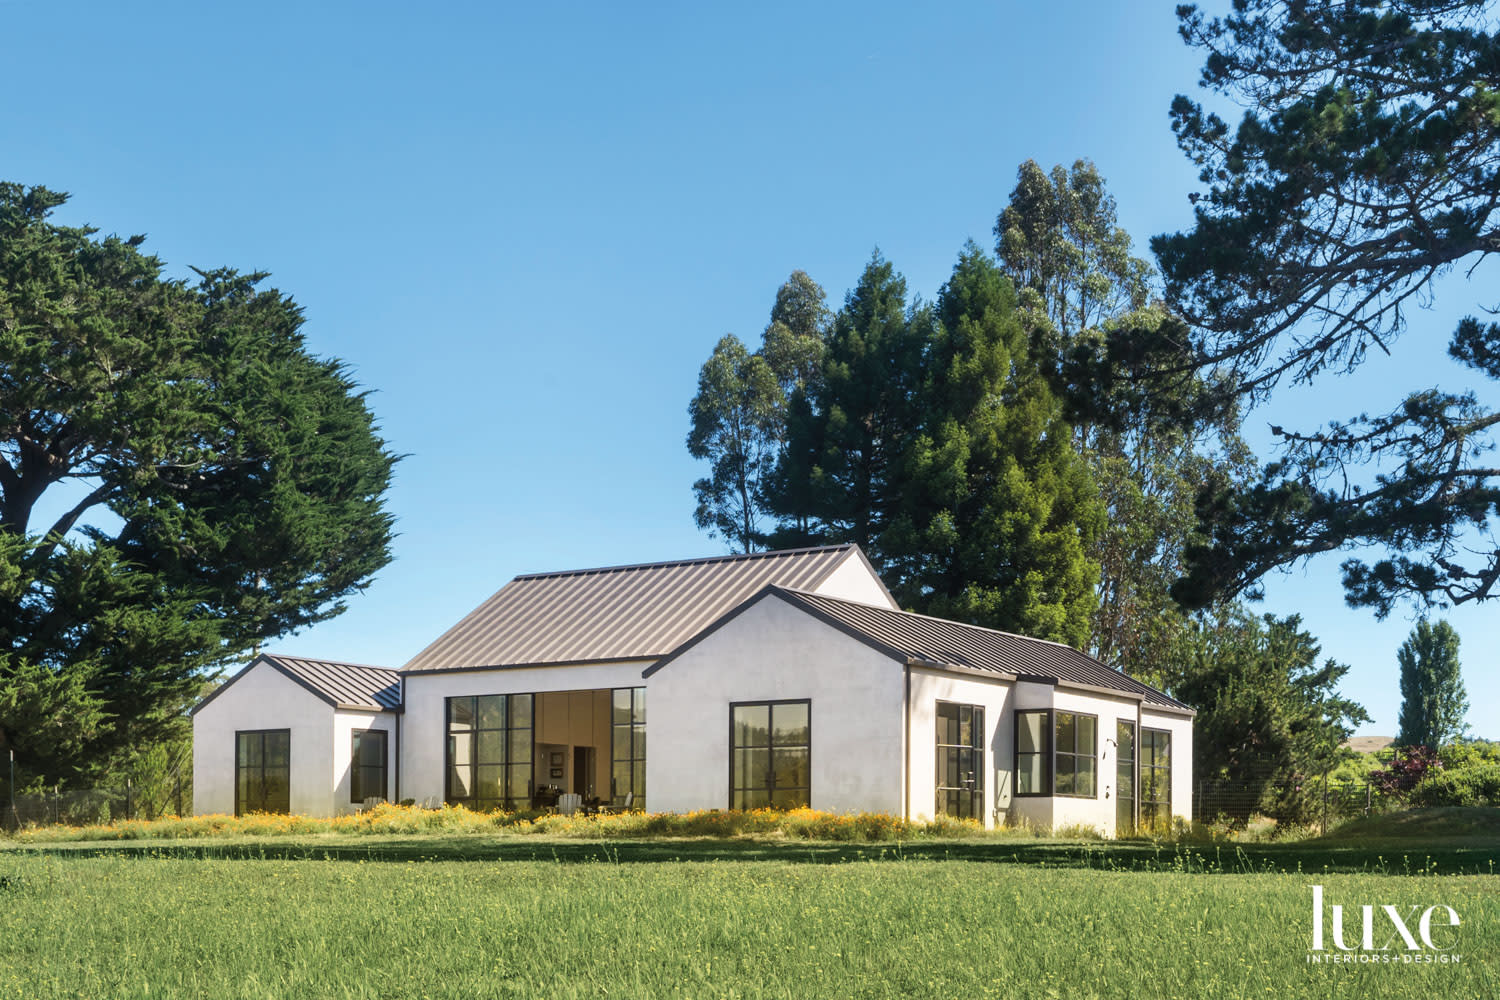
x=487 y=916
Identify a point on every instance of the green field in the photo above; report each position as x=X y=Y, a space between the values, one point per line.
x=487 y=917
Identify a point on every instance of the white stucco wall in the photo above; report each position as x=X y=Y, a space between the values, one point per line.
x=770 y=652
x=1181 y=728
x=264 y=698
x=345 y=724
x=853 y=581
x=1098 y=812
x=424 y=736
x=996 y=696
x=1057 y=811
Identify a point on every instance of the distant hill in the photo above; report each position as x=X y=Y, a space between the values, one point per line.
x=1369 y=744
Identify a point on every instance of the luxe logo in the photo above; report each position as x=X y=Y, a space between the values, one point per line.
x=1402 y=933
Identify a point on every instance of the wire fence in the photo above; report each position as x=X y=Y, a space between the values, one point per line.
x=148 y=793
x=1321 y=800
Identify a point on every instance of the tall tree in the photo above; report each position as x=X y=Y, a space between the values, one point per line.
x=932 y=440
x=1433 y=701
x=850 y=434
x=793 y=342
x=740 y=415
x=1362 y=170
x=1061 y=242
x=1269 y=716
x=995 y=512
x=736 y=419
x=207 y=484
x=1149 y=452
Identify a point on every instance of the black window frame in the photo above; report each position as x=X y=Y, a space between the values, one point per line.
x=1045 y=754
x=635 y=784
x=356 y=769
x=738 y=788
x=1126 y=765
x=973 y=795
x=1075 y=755
x=239 y=803
x=511 y=798
x=1154 y=810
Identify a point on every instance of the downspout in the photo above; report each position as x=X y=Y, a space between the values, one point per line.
x=906 y=744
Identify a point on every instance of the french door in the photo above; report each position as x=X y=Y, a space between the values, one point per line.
x=960 y=761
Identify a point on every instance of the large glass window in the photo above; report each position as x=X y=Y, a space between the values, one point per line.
x=1156 y=777
x=1034 y=752
x=367 y=766
x=1056 y=753
x=489 y=751
x=960 y=760
x=628 y=746
x=1077 y=761
x=770 y=755
x=263 y=771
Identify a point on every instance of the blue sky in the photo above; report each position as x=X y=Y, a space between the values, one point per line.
x=525 y=229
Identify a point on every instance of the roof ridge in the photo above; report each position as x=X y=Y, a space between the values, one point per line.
x=730 y=557
x=336 y=663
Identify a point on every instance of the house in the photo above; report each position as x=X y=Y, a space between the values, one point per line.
x=773 y=679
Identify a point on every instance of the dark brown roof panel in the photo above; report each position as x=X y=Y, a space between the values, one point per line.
x=941 y=642
x=348 y=685
x=637 y=612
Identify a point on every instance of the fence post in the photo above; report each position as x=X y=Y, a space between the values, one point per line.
x=127 y=800
x=178 y=793
x=1325 y=803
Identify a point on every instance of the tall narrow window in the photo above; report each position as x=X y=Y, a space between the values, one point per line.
x=1034 y=752
x=1077 y=757
x=960 y=760
x=489 y=751
x=263 y=771
x=367 y=766
x=1156 y=777
x=1124 y=778
x=770 y=755
x=628 y=746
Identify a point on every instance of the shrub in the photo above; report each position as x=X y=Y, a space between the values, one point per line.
x=1468 y=786
x=1406 y=770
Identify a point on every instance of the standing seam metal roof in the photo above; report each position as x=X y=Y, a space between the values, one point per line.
x=349 y=685
x=342 y=685
x=639 y=612
x=942 y=642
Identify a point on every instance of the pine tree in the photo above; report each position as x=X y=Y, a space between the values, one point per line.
x=996 y=510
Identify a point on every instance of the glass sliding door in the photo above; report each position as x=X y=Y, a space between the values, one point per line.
x=960 y=761
x=490 y=741
x=1124 y=778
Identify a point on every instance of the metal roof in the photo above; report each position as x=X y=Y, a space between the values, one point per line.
x=639 y=612
x=943 y=643
x=342 y=685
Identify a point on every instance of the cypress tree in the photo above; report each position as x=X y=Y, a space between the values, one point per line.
x=1433 y=700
